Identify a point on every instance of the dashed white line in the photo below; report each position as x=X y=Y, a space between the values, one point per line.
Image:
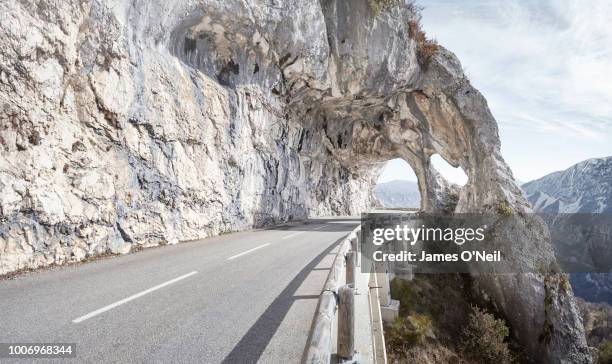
x=292 y=235
x=302 y=232
x=128 y=299
x=248 y=251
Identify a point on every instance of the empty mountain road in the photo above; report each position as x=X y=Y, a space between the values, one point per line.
x=238 y=298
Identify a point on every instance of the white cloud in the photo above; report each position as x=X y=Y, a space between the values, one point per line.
x=545 y=68
x=397 y=169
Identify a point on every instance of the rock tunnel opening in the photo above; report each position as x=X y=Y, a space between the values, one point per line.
x=397 y=186
x=452 y=174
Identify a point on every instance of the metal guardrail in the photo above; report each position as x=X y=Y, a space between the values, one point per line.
x=336 y=302
x=319 y=346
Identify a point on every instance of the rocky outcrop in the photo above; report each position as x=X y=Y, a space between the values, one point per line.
x=130 y=124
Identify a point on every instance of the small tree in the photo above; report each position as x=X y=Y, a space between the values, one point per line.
x=605 y=352
x=483 y=338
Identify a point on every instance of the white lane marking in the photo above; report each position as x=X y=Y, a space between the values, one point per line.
x=302 y=232
x=292 y=235
x=248 y=251
x=128 y=299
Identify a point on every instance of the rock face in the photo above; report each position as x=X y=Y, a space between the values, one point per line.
x=398 y=193
x=585 y=187
x=122 y=128
x=130 y=124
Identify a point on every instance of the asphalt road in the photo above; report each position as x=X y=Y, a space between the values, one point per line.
x=239 y=298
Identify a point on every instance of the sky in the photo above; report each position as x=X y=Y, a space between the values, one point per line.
x=545 y=68
x=399 y=169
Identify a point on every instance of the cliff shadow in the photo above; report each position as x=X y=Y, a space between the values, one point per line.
x=252 y=345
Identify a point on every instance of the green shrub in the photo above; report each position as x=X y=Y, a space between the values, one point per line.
x=504 y=209
x=378 y=6
x=564 y=284
x=407 y=332
x=400 y=290
x=605 y=352
x=483 y=338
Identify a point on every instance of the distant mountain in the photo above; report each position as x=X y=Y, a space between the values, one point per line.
x=584 y=187
x=398 y=194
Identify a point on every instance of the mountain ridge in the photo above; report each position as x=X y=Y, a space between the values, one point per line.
x=585 y=187
x=398 y=193
x=580 y=188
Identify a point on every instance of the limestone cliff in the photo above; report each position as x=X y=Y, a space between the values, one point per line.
x=131 y=124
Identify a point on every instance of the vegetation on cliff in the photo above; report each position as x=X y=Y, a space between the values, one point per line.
x=439 y=323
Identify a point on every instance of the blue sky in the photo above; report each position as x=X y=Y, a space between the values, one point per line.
x=545 y=68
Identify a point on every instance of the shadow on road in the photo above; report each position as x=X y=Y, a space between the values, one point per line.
x=252 y=345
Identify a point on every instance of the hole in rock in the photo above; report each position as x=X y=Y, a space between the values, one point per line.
x=397 y=186
x=452 y=174
x=190 y=45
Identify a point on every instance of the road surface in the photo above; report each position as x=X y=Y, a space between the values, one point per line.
x=239 y=298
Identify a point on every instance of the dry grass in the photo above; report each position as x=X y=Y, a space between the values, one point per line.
x=407 y=333
x=426 y=48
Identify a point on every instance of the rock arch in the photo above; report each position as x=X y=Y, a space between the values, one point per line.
x=359 y=86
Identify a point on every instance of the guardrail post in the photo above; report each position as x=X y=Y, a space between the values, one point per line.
x=346 y=322
x=356 y=248
x=384 y=289
x=320 y=340
x=350 y=267
x=389 y=308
